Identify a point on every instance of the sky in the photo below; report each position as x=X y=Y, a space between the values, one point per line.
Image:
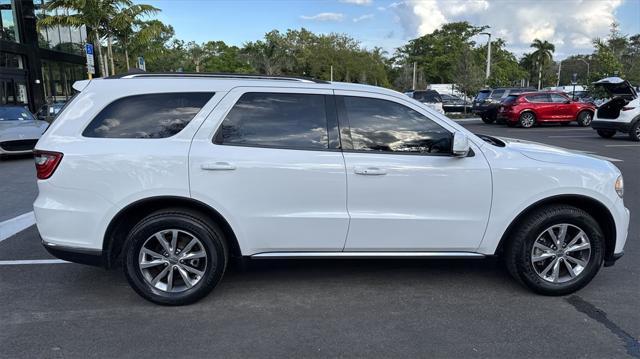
x=569 y=24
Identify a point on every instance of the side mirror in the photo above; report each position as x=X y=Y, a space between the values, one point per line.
x=460 y=146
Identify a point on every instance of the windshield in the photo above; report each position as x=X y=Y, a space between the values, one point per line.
x=15 y=114
x=427 y=96
x=483 y=95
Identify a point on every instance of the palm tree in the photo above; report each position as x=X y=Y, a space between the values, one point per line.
x=125 y=22
x=544 y=51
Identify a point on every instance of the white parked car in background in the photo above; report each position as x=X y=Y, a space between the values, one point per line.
x=171 y=175
x=19 y=130
x=430 y=98
x=621 y=113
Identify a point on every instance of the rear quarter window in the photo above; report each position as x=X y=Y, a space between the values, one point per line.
x=147 y=116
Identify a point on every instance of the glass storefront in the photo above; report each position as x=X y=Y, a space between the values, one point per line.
x=60 y=38
x=8 y=22
x=13 y=80
x=58 y=79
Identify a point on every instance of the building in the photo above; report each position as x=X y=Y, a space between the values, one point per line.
x=37 y=66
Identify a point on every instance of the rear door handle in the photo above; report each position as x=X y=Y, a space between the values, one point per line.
x=369 y=171
x=218 y=166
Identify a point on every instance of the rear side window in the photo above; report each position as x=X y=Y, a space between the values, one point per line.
x=278 y=120
x=147 y=116
x=510 y=99
x=386 y=126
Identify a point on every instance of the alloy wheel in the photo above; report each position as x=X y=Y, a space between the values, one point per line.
x=527 y=119
x=561 y=253
x=172 y=260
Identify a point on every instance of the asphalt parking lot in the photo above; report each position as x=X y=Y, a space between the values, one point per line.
x=323 y=308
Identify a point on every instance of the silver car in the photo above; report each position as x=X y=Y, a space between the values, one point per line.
x=19 y=130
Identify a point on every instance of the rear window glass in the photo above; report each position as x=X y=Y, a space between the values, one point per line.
x=510 y=99
x=427 y=96
x=483 y=95
x=147 y=116
x=276 y=120
x=497 y=94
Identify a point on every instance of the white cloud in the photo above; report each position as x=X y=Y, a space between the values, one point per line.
x=363 y=17
x=357 y=2
x=324 y=16
x=570 y=24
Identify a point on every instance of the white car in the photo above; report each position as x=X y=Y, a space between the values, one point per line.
x=621 y=113
x=19 y=130
x=430 y=98
x=173 y=174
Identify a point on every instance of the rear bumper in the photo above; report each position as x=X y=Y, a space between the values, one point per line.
x=75 y=255
x=610 y=125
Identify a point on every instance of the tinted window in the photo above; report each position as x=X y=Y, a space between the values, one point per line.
x=380 y=125
x=276 y=120
x=483 y=95
x=538 y=98
x=558 y=98
x=427 y=96
x=509 y=99
x=147 y=116
x=497 y=94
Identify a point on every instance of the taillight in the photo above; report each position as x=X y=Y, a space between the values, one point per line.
x=46 y=163
x=627 y=108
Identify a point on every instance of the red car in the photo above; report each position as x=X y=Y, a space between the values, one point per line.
x=530 y=108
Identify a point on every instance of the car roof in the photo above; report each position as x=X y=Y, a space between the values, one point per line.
x=538 y=93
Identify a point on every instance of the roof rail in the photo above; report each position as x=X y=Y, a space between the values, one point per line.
x=216 y=75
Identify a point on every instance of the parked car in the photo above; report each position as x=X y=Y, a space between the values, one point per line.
x=453 y=103
x=50 y=111
x=174 y=174
x=430 y=98
x=487 y=102
x=621 y=113
x=19 y=130
x=532 y=108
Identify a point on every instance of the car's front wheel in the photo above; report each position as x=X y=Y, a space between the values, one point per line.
x=174 y=257
x=487 y=119
x=527 y=119
x=556 y=250
x=584 y=118
x=606 y=133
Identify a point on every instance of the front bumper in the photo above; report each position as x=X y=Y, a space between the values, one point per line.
x=610 y=125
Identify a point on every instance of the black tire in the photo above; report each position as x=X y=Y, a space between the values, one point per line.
x=518 y=249
x=606 y=133
x=208 y=233
x=634 y=131
x=584 y=118
x=487 y=119
x=525 y=121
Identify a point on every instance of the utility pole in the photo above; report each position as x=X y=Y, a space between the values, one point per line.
x=586 y=62
x=488 y=56
x=413 y=86
x=331 y=73
x=559 y=70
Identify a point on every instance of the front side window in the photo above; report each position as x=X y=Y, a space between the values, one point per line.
x=386 y=126
x=558 y=98
x=147 y=116
x=278 y=120
x=538 y=98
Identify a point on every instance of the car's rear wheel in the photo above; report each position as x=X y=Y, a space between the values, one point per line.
x=584 y=118
x=555 y=250
x=606 y=133
x=174 y=257
x=634 y=132
x=527 y=119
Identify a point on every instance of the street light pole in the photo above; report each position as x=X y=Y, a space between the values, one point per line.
x=586 y=62
x=488 y=55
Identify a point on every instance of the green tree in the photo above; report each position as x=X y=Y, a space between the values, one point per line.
x=126 y=22
x=543 y=54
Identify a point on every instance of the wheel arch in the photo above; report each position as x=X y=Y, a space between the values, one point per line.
x=120 y=225
x=595 y=208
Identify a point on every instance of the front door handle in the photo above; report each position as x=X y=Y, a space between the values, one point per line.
x=218 y=166
x=369 y=171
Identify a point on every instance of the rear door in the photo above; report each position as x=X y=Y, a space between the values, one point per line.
x=268 y=160
x=406 y=192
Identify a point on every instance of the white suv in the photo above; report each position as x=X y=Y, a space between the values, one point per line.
x=621 y=113
x=172 y=175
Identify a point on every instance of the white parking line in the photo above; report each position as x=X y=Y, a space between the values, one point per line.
x=636 y=145
x=14 y=225
x=32 y=261
x=571 y=136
